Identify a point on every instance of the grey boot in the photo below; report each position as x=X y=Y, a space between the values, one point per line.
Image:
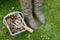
x=27 y=10
x=37 y=8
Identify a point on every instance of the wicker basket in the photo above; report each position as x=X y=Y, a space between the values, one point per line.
x=6 y=24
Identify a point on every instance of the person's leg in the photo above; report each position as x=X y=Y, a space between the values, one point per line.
x=27 y=10
x=37 y=10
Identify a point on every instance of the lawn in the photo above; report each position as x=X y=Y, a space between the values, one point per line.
x=51 y=11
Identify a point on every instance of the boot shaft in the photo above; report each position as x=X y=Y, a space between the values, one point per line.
x=26 y=6
x=37 y=6
x=38 y=3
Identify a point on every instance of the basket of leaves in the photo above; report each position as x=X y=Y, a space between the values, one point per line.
x=14 y=21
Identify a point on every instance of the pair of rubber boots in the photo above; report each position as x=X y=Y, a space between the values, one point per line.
x=27 y=10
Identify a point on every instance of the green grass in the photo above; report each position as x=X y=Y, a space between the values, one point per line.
x=51 y=11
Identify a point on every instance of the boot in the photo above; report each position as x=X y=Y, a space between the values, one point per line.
x=37 y=10
x=27 y=10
